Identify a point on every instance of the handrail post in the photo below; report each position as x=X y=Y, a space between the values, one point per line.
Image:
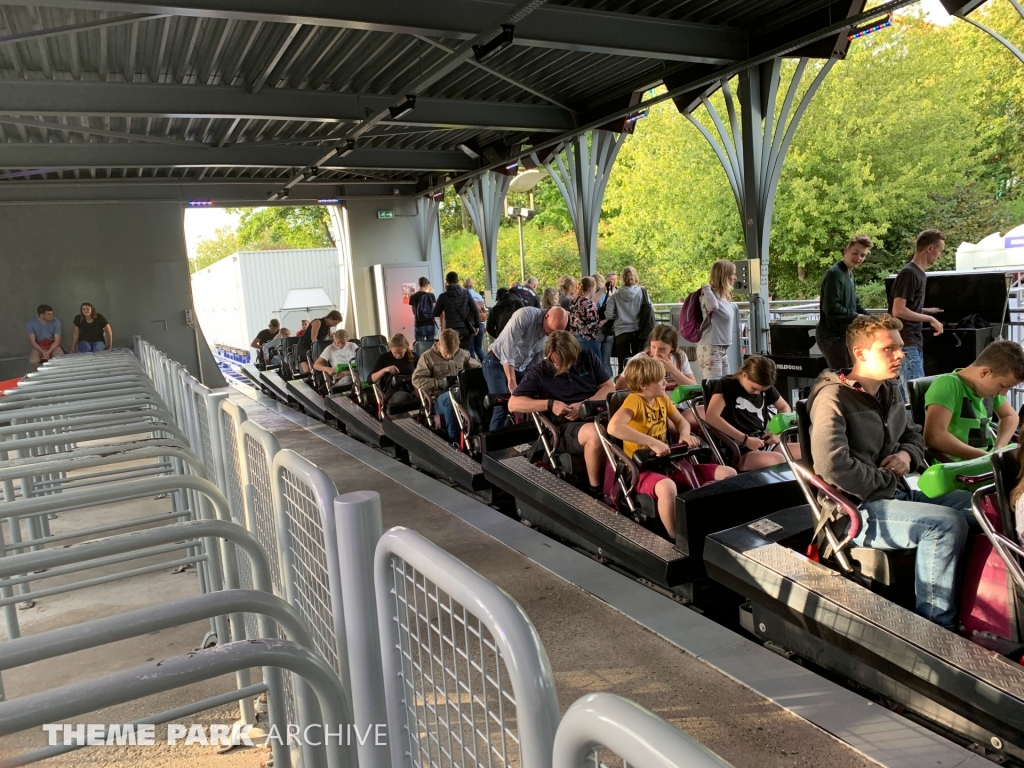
x=360 y=525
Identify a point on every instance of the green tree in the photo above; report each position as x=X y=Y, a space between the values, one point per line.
x=280 y=227
x=223 y=243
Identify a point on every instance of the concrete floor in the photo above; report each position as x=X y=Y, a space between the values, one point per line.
x=591 y=646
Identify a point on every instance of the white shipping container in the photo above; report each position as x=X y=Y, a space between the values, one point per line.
x=237 y=296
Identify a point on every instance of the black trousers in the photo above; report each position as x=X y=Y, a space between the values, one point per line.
x=627 y=345
x=834 y=348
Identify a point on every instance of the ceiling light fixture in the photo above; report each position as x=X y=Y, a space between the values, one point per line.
x=347 y=148
x=867 y=29
x=407 y=106
x=468 y=151
x=493 y=47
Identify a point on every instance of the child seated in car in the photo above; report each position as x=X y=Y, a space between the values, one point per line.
x=643 y=421
x=741 y=407
x=341 y=352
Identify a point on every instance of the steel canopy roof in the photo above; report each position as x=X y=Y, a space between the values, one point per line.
x=230 y=100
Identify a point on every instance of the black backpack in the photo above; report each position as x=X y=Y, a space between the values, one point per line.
x=425 y=309
x=501 y=313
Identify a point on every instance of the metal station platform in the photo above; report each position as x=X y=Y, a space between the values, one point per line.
x=807 y=608
x=358 y=422
x=436 y=455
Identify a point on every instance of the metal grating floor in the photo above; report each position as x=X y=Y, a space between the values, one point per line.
x=431 y=440
x=594 y=509
x=986 y=665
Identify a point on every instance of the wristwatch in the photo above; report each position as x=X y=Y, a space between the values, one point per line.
x=551 y=405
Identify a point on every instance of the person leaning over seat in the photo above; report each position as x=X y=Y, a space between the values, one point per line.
x=864 y=442
x=439 y=362
x=556 y=386
x=43 y=337
x=519 y=345
x=267 y=334
x=959 y=405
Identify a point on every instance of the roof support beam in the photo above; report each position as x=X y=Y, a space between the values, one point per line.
x=85 y=26
x=17 y=156
x=560 y=27
x=102 y=99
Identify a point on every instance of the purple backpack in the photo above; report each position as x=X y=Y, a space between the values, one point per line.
x=691 y=318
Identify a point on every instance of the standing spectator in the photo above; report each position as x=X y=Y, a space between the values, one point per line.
x=716 y=304
x=607 y=336
x=549 y=298
x=267 y=334
x=527 y=293
x=302 y=328
x=458 y=311
x=839 y=305
x=520 y=345
x=906 y=303
x=599 y=293
x=92 y=331
x=566 y=290
x=623 y=310
x=584 y=323
x=319 y=330
x=502 y=312
x=43 y=337
x=476 y=347
x=422 y=304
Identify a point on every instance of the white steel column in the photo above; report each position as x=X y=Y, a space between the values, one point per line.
x=581 y=171
x=484 y=198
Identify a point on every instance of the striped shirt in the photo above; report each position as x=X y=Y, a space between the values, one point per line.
x=521 y=342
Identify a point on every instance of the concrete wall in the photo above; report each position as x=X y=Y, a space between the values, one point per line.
x=400 y=240
x=128 y=259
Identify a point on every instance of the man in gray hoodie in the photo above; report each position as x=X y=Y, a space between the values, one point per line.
x=863 y=442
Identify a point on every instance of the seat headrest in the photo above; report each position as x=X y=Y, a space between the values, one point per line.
x=615 y=400
x=918 y=389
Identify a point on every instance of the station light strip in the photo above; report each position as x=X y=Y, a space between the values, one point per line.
x=868 y=29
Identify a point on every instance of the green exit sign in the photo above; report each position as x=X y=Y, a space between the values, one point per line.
x=385 y=214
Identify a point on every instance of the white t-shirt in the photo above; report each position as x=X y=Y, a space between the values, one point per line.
x=335 y=356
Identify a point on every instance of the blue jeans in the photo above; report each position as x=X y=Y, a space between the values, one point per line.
x=426 y=332
x=594 y=345
x=476 y=345
x=497 y=384
x=937 y=528
x=607 y=345
x=91 y=346
x=443 y=407
x=912 y=367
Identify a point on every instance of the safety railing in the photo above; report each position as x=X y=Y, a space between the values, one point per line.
x=446 y=658
x=468 y=681
x=636 y=736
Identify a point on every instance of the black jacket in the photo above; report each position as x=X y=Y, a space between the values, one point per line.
x=839 y=305
x=526 y=295
x=458 y=308
x=501 y=313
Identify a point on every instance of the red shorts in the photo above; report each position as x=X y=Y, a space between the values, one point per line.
x=705 y=474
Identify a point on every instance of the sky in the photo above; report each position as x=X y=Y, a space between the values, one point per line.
x=201 y=224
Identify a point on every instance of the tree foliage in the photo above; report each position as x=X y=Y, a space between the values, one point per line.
x=223 y=243
x=921 y=126
x=264 y=229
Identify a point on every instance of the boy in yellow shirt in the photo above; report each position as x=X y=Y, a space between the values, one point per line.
x=643 y=421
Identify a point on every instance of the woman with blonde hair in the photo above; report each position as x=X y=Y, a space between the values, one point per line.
x=720 y=320
x=549 y=298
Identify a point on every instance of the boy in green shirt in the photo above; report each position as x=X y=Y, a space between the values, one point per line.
x=959 y=405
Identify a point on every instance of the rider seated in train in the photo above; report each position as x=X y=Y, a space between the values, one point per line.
x=663 y=346
x=741 y=407
x=398 y=361
x=863 y=442
x=959 y=405
x=445 y=359
x=341 y=353
x=271 y=350
x=645 y=419
x=566 y=377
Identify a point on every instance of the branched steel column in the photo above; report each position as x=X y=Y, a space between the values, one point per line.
x=581 y=172
x=754 y=167
x=484 y=198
